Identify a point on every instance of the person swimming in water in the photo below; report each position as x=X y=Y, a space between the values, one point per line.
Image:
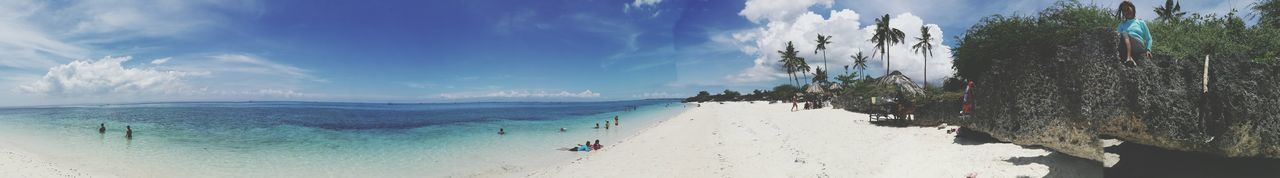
x=128 y=132
x=597 y=125
x=502 y=131
x=102 y=128
x=562 y=129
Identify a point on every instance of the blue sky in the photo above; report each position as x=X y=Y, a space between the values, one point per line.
x=110 y=51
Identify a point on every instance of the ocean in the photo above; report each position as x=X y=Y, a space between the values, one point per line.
x=322 y=139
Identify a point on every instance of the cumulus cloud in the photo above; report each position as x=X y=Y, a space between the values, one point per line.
x=106 y=76
x=759 y=11
x=521 y=94
x=849 y=36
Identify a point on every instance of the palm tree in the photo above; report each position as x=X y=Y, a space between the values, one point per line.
x=884 y=37
x=803 y=68
x=859 y=62
x=789 y=62
x=925 y=47
x=822 y=46
x=1171 y=11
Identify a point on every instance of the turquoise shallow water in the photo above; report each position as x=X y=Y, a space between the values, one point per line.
x=307 y=139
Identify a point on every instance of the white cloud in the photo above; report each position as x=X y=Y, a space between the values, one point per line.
x=655 y=95
x=520 y=94
x=642 y=4
x=161 y=60
x=250 y=64
x=759 y=11
x=849 y=38
x=106 y=76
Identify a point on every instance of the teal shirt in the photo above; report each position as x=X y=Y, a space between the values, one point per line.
x=1137 y=29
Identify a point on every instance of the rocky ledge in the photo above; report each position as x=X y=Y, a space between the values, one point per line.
x=1067 y=101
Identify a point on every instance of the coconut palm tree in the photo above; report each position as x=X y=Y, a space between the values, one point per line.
x=822 y=46
x=788 y=61
x=1171 y=11
x=885 y=37
x=925 y=47
x=803 y=68
x=859 y=62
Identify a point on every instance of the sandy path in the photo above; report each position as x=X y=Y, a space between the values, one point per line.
x=765 y=140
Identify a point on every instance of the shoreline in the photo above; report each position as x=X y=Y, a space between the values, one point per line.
x=17 y=162
x=737 y=139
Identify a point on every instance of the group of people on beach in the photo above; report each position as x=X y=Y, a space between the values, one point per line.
x=795 y=104
x=587 y=147
x=128 y=130
x=606 y=123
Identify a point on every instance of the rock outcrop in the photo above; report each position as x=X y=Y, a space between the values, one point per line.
x=1066 y=101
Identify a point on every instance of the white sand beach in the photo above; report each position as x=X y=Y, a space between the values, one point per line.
x=16 y=162
x=739 y=139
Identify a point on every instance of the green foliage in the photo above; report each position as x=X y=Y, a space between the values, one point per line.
x=820 y=76
x=1200 y=35
x=1268 y=12
x=1171 y=11
x=999 y=37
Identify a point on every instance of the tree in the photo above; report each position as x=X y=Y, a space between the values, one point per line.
x=885 y=37
x=822 y=46
x=1171 y=11
x=925 y=47
x=803 y=68
x=788 y=61
x=1268 y=12
x=860 y=63
x=819 y=76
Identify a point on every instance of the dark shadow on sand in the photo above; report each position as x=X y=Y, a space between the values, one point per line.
x=901 y=123
x=1137 y=160
x=1062 y=165
x=973 y=137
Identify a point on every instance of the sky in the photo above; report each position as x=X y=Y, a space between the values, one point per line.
x=113 y=51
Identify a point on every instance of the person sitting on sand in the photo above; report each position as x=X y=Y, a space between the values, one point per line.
x=586 y=147
x=128 y=132
x=502 y=131
x=597 y=145
x=102 y=128
x=1137 y=38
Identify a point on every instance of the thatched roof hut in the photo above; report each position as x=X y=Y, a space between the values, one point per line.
x=902 y=83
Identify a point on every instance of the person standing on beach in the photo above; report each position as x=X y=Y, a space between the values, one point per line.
x=606 y=124
x=615 y=120
x=794 y=105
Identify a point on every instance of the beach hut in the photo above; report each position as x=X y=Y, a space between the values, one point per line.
x=902 y=83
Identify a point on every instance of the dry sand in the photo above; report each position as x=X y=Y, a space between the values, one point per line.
x=738 y=139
